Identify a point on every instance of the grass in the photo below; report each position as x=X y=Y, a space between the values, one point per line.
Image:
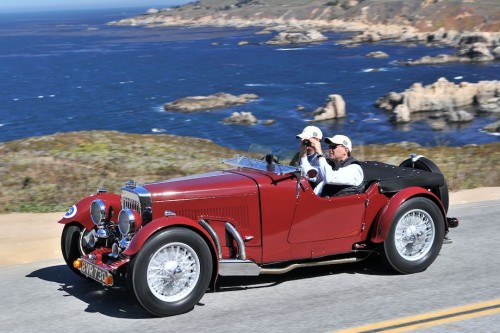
x=51 y=173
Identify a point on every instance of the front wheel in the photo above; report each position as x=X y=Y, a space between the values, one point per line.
x=172 y=271
x=415 y=236
x=75 y=242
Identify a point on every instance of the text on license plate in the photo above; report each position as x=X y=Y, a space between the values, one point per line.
x=96 y=273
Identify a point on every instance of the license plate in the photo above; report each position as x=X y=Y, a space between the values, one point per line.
x=96 y=273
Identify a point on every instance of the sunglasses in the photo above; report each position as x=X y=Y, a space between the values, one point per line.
x=334 y=146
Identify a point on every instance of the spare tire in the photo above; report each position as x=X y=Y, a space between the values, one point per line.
x=426 y=164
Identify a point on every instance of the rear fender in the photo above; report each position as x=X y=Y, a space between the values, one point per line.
x=383 y=223
x=81 y=210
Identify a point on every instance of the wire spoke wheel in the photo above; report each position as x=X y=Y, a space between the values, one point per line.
x=414 y=234
x=173 y=272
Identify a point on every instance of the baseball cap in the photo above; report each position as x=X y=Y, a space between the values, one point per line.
x=340 y=140
x=310 y=132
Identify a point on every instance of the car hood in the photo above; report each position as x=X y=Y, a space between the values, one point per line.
x=213 y=184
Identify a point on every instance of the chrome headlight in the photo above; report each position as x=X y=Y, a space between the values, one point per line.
x=126 y=221
x=97 y=211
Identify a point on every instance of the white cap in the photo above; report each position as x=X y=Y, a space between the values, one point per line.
x=340 y=140
x=310 y=132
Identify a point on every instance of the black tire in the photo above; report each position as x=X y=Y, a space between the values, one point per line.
x=179 y=288
x=413 y=220
x=426 y=164
x=72 y=246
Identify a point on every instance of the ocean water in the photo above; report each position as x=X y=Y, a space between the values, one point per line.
x=69 y=71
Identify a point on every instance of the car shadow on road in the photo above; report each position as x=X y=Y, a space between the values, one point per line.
x=120 y=302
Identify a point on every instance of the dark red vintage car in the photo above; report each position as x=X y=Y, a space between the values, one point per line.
x=171 y=240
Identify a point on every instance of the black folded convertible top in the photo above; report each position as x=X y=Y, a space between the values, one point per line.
x=392 y=178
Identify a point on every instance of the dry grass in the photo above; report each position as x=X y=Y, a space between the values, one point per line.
x=51 y=173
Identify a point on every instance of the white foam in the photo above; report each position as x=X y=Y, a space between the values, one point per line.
x=158 y=130
x=259 y=84
x=291 y=49
x=317 y=83
x=458 y=77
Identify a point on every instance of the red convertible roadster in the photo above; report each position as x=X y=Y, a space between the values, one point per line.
x=171 y=240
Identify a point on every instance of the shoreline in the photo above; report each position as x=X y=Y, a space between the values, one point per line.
x=32 y=237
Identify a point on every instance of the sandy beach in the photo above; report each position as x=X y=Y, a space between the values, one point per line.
x=30 y=237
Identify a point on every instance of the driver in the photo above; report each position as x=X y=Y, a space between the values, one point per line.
x=345 y=175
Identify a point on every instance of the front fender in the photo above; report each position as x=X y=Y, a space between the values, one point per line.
x=152 y=227
x=383 y=224
x=81 y=210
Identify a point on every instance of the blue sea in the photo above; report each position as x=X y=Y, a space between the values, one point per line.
x=69 y=71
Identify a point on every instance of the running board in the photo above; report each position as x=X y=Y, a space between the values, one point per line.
x=235 y=267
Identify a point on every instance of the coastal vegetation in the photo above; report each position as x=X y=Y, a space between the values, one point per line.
x=50 y=173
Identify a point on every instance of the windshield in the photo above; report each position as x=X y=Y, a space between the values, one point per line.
x=262 y=158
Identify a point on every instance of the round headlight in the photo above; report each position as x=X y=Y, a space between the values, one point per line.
x=97 y=211
x=126 y=221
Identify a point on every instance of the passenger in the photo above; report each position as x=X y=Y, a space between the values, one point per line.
x=344 y=175
x=310 y=138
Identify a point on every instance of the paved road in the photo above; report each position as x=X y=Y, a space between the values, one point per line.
x=47 y=297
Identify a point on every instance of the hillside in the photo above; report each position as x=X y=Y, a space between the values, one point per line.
x=421 y=15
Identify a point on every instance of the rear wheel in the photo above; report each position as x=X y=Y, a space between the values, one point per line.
x=426 y=164
x=75 y=242
x=415 y=236
x=172 y=271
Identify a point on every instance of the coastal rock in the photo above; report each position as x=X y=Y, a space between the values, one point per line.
x=377 y=54
x=491 y=105
x=428 y=60
x=477 y=52
x=333 y=109
x=493 y=128
x=401 y=114
x=152 y=11
x=241 y=118
x=310 y=36
x=215 y=101
x=496 y=53
x=459 y=116
x=441 y=95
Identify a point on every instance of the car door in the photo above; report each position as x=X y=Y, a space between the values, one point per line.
x=320 y=219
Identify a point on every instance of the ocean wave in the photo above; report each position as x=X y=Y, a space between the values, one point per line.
x=259 y=84
x=291 y=49
x=375 y=69
x=158 y=130
x=316 y=83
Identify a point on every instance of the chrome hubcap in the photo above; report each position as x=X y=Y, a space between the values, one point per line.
x=173 y=272
x=415 y=234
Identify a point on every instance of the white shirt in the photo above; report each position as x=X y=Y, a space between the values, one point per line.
x=351 y=174
x=348 y=175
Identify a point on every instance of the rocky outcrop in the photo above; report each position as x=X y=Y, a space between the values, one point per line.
x=441 y=96
x=477 y=52
x=246 y=118
x=493 y=128
x=310 y=36
x=377 y=54
x=201 y=103
x=241 y=118
x=333 y=109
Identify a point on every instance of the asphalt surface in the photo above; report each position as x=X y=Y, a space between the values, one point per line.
x=46 y=296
